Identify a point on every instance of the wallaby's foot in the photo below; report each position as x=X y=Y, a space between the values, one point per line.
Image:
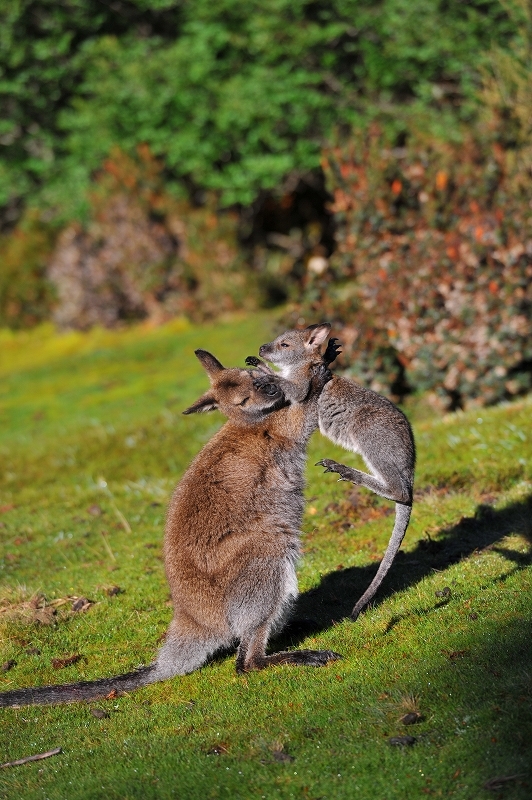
x=304 y=658
x=300 y=658
x=345 y=473
x=332 y=351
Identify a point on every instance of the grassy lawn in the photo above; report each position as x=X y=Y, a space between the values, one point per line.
x=91 y=443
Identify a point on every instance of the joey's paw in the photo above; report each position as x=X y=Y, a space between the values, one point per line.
x=333 y=350
x=253 y=361
x=345 y=473
x=321 y=374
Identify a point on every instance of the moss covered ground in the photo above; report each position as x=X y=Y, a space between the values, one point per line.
x=91 y=443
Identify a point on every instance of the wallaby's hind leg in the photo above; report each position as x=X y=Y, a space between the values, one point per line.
x=252 y=654
x=392 y=488
x=268 y=588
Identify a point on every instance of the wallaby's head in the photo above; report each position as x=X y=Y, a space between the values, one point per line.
x=293 y=348
x=244 y=396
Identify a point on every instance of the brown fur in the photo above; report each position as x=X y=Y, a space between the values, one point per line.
x=232 y=535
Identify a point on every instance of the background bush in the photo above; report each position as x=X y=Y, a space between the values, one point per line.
x=26 y=293
x=431 y=283
x=234 y=97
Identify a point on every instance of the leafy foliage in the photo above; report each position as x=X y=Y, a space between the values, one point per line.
x=433 y=274
x=233 y=97
x=26 y=294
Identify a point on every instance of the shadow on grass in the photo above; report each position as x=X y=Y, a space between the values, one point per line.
x=334 y=598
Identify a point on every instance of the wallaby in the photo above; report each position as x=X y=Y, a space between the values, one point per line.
x=359 y=420
x=232 y=535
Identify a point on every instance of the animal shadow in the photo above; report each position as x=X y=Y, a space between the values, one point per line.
x=334 y=598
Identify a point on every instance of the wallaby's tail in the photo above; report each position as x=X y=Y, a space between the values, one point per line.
x=83 y=690
x=402 y=518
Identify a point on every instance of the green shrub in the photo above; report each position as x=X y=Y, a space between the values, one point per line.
x=26 y=294
x=232 y=96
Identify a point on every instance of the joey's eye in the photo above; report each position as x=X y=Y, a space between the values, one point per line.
x=285 y=344
x=244 y=401
x=269 y=389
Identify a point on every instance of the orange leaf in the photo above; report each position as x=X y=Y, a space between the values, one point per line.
x=441 y=180
x=397 y=186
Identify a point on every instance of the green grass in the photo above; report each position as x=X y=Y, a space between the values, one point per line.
x=92 y=423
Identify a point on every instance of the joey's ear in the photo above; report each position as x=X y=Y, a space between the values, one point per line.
x=206 y=402
x=316 y=334
x=210 y=364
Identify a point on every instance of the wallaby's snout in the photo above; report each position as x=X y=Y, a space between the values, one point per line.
x=264 y=350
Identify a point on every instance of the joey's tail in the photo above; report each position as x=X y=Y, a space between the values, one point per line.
x=83 y=690
x=402 y=518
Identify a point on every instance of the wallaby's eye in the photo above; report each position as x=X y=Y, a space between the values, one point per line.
x=244 y=401
x=269 y=389
x=285 y=344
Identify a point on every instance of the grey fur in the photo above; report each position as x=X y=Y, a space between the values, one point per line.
x=359 y=420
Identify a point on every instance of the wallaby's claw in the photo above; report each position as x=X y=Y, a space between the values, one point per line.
x=344 y=472
x=253 y=361
x=332 y=351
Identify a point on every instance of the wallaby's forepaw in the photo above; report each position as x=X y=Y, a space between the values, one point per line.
x=321 y=374
x=345 y=473
x=261 y=366
x=333 y=350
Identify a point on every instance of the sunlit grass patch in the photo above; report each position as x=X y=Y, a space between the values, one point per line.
x=83 y=492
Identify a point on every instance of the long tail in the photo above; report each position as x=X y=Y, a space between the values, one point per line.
x=402 y=518
x=83 y=690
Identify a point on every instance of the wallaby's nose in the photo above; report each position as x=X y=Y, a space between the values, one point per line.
x=262 y=349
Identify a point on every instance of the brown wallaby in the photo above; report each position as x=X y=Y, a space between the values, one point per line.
x=232 y=535
x=359 y=420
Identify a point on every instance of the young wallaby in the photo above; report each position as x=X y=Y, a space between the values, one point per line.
x=232 y=535
x=359 y=420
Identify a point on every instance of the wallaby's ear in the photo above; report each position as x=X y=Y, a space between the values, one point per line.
x=206 y=402
x=316 y=334
x=210 y=364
